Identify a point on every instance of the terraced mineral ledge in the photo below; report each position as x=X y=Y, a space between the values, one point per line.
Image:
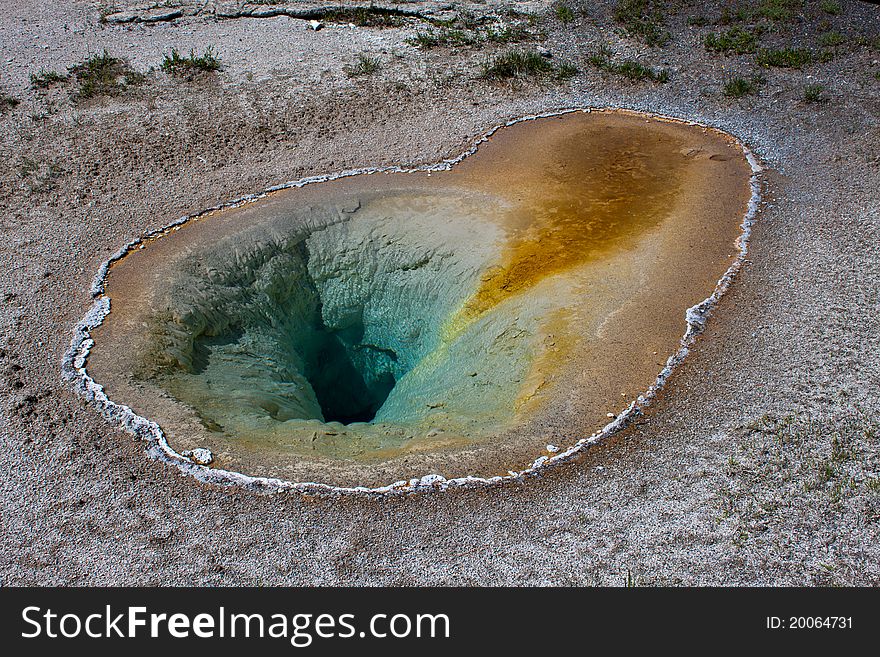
x=380 y=327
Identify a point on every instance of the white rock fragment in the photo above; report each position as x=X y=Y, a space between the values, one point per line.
x=552 y=449
x=199 y=455
x=315 y=25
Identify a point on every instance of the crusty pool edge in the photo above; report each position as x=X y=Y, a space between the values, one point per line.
x=75 y=358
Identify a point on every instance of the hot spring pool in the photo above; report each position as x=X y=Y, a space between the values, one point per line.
x=375 y=328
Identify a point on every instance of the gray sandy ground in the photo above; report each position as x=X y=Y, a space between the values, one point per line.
x=758 y=465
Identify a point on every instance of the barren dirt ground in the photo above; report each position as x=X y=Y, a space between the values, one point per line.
x=758 y=465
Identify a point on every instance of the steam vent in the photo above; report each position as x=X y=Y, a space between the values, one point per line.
x=380 y=327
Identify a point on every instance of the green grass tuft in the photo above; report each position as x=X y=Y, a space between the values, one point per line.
x=365 y=65
x=643 y=19
x=104 y=75
x=365 y=16
x=564 y=13
x=566 y=70
x=832 y=39
x=738 y=87
x=629 y=69
x=526 y=63
x=779 y=10
x=830 y=7
x=45 y=79
x=515 y=64
x=815 y=93
x=177 y=66
x=8 y=102
x=741 y=15
x=735 y=40
x=872 y=43
x=785 y=58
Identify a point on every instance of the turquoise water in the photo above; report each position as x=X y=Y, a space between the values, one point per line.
x=332 y=316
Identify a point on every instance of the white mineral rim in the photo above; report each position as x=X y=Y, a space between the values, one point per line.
x=195 y=462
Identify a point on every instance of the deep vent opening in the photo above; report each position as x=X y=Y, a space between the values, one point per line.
x=328 y=324
x=351 y=379
x=311 y=350
x=346 y=392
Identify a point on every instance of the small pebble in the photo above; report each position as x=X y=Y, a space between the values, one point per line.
x=200 y=455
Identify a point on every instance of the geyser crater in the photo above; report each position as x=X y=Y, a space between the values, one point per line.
x=331 y=313
x=370 y=329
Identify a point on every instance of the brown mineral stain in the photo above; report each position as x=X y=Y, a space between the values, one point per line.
x=581 y=195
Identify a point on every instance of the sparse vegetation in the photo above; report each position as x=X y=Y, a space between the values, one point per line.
x=737 y=87
x=741 y=15
x=465 y=29
x=631 y=581
x=643 y=19
x=790 y=465
x=769 y=14
x=463 y=20
x=365 y=16
x=7 y=102
x=104 y=75
x=526 y=63
x=735 y=40
x=27 y=166
x=515 y=64
x=564 y=12
x=39 y=177
x=815 y=93
x=178 y=66
x=45 y=79
x=444 y=37
x=508 y=34
x=365 y=65
x=566 y=70
x=831 y=39
x=830 y=7
x=872 y=43
x=785 y=58
x=779 y=10
x=629 y=69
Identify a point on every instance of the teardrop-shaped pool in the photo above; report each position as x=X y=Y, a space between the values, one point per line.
x=373 y=328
